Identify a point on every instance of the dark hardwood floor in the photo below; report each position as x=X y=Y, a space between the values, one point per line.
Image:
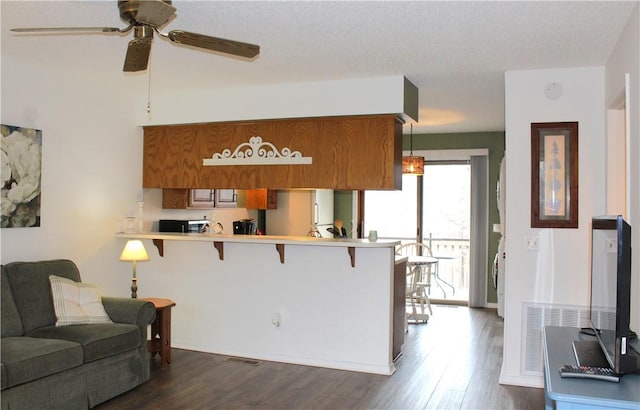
x=452 y=362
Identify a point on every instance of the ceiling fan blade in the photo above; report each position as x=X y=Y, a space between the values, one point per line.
x=222 y=45
x=137 y=57
x=154 y=12
x=69 y=29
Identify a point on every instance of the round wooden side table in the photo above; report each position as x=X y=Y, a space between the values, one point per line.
x=161 y=330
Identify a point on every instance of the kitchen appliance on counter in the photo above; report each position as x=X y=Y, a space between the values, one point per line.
x=183 y=225
x=244 y=227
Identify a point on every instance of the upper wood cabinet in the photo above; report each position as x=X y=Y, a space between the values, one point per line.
x=199 y=198
x=355 y=152
x=175 y=198
x=262 y=199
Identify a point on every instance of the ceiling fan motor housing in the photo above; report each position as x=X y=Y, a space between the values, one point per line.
x=129 y=10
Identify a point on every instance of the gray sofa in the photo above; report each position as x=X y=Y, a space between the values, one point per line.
x=67 y=367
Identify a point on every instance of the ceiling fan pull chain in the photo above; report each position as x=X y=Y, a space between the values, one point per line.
x=149 y=92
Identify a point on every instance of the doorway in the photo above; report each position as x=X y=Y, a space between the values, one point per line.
x=443 y=223
x=618 y=163
x=395 y=215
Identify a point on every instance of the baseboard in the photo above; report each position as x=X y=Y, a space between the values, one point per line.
x=522 y=381
x=306 y=361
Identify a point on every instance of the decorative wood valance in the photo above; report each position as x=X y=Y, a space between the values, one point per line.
x=257 y=152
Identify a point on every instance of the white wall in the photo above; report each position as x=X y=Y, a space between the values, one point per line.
x=626 y=59
x=558 y=272
x=91 y=167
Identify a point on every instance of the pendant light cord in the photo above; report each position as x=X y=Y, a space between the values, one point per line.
x=411 y=139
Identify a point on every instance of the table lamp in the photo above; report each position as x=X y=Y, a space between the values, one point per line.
x=134 y=251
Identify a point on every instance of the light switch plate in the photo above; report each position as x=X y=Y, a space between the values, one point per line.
x=532 y=242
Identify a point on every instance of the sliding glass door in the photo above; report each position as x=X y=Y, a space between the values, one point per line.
x=446 y=226
x=447 y=223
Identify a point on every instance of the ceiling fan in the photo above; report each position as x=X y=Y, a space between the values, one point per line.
x=145 y=17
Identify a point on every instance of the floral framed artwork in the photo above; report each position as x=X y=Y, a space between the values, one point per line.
x=21 y=164
x=554 y=175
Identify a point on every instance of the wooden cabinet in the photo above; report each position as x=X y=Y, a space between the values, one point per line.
x=262 y=199
x=201 y=198
x=175 y=198
x=198 y=198
x=226 y=198
x=354 y=152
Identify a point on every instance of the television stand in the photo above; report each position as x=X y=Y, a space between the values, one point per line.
x=572 y=393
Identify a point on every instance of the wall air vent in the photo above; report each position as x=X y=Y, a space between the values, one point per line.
x=535 y=316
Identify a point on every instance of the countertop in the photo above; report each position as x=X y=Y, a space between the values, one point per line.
x=266 y=239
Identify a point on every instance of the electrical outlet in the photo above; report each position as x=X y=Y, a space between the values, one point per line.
x=531 y=242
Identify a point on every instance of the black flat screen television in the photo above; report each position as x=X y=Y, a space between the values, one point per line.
x=610 y=302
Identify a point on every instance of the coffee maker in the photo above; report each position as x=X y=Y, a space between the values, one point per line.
x=244 y=227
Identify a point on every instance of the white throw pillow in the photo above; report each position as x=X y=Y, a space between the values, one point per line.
x=76 y=303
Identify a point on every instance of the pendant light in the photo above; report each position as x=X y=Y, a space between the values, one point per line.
x=411 y=164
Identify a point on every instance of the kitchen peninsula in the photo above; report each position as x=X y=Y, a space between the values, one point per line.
x=312 y=301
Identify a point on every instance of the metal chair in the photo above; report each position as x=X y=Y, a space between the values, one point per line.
x=422 y=269
x=412 y=294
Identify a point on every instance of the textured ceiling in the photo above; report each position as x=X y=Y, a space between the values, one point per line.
x=455 y=52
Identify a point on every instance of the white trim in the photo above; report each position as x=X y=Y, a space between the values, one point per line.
x=523 y=381
x=375 y=368
x=627 y=128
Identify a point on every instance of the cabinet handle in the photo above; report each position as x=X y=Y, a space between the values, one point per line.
x=316 y=212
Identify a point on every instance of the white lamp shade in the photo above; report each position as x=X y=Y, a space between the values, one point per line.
x=134 y=251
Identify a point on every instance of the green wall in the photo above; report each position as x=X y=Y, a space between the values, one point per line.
x=342 y=208
x=493 y=141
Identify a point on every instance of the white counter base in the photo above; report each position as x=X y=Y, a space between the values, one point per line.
x=330 y=313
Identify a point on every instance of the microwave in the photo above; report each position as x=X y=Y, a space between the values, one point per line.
x=183 y=225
